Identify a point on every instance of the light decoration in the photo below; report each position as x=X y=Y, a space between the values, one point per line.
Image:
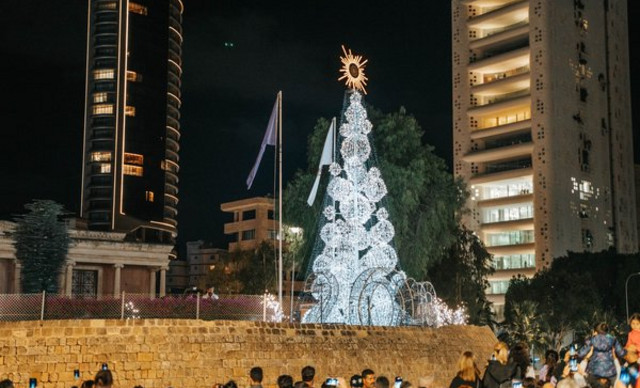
x=354 y=279
x=131 y=311
x=353 y=71
x=273 y=309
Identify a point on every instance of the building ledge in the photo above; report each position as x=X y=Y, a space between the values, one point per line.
x=501 y=130
x=501 y=105
x=506 y=152
x=523 y=224
x=502 y=63
x=512 y=249
x=502 y=175
x=515 y=199
x=501 y=17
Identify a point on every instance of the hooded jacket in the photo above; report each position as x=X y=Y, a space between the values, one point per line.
x=601 y=363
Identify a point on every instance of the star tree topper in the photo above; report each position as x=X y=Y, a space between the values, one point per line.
x=353 y=71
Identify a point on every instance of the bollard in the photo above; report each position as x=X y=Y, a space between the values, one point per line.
x=264 y=307
x=122 y=306
x=44 y=297
x=198 y=305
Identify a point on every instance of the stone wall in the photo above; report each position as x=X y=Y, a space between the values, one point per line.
x=193 y=353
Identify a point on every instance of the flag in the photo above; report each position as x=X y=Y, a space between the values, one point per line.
x=269 y=139
x=325 y=160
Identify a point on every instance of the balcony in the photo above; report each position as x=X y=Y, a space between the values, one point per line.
x=503 y=85
x=501 y=130
x=503 y=62
x=501 y=105
x=522 y=224
x=522 y=173
x=515 y=32
x=489 y=155
x=496 y=98
x=501 y=17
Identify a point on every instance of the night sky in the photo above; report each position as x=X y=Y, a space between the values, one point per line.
x=228 y=93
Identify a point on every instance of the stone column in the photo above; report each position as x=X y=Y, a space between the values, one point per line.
x=116 y=280
x=152 y=282
x=17 y=289
x=163 y=281
x=68 y=279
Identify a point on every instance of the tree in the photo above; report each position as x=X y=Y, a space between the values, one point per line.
x=423 y=198
x=42 y=243
x=461 y=277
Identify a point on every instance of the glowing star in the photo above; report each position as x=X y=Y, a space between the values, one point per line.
x=353 y=71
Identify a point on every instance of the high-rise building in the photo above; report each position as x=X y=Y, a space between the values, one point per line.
x=542 y=129
x=132 y=113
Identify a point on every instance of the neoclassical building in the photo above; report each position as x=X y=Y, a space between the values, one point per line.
x=98 y=264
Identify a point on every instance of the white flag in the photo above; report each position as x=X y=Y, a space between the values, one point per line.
x=325 y=160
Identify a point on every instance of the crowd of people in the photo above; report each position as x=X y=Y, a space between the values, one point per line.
x=601 y=362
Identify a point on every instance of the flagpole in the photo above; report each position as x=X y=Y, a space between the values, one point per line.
x=280 y=269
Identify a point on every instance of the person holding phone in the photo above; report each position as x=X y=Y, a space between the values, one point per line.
x=501 y=371
x=103 y=378
x=468 y=373
x=6 y=383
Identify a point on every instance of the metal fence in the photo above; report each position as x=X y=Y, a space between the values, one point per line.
x=23 y=307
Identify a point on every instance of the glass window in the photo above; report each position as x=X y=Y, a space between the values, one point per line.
x=130 y=110
x=100 y=156
x=508 y=213
x=249 y=215
x=130 y=158
x=107 y=5
x=271 y=214
x=510 y=238
x=248 y=234
x=137 y=8
x=104 y=74
x=103 y=109
x=498 y=286
x=273 y=234
x=133 y=76
x=518 y=261
x=149 y=195
x=105 y=168
x=99 y=97
x=132 y=170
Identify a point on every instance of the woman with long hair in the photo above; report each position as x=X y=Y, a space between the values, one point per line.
x=500 y=370
x=468 y=374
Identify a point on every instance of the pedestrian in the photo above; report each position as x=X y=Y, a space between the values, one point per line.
x=633 y=338
x=368 y=378
x=382 y=382
x=308 y=375
x=285 y=381
x=500 y=371
x=520 y=355
x=255 y=377
x=103 y=379
x=468 y=374
x=601 y=369
x=547 y=372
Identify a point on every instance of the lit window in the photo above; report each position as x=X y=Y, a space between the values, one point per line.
x=105 y=168
x=103 y=74
x=132 y=170
x=101 y=156
x=130 y=158
x=130 y=110
x=133 y=76
x=99 y=97
x=107 y=5
x=149 y=196
x=137 y=8
x=103 y=109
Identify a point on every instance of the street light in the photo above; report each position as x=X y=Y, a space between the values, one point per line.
x=626 y=294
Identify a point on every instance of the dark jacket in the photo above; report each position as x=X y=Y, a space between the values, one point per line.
x=458 y=382
x=601 y=363
x=498 y=373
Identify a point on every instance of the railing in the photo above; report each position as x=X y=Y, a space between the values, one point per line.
x=45 y=306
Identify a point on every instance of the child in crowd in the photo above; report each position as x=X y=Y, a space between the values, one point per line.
x=633 y=338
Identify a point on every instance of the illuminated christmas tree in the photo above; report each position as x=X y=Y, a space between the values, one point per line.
x=355 y=276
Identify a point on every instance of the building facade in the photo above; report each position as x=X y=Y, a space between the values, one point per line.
x=98 y=264
x=132 y=113
x=253 y=222
x=542 y=129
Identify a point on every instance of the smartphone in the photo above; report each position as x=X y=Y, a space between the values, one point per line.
x=332 y=381
x=516 y=384
x=105 y=366
x=76 y=374
x=573 y=365
x=398 y=382
x=33 y=382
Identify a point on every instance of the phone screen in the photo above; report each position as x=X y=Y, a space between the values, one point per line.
x=332 y=382
x=33 y=383
x=398 y=382
x=104 y=367
x=516 y=384
x=573 y=365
